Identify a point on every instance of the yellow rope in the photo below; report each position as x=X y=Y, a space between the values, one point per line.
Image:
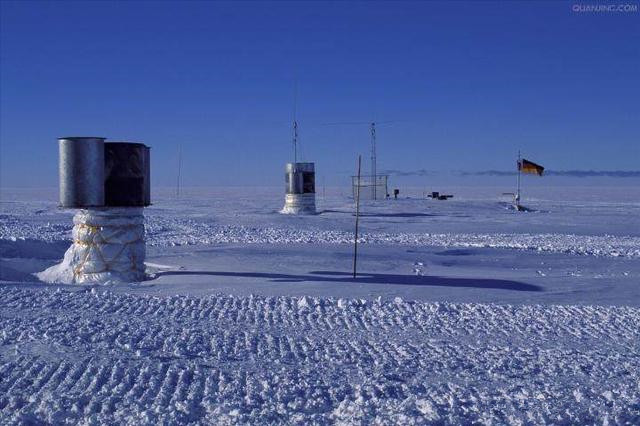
x=93 y=230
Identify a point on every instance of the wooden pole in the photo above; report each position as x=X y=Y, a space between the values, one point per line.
x=355 y=241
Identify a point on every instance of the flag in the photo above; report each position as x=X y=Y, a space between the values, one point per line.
x=526 y=166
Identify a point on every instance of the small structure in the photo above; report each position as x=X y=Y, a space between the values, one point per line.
x=109 y=183
x=371 y=188
x=437 y=196
x=300 y=197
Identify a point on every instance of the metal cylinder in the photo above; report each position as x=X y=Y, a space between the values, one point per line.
x=126 y=174
x=300 y=178
x=81 y=171
x=300 y=195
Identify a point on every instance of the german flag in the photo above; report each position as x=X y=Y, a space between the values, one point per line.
x=526 y=166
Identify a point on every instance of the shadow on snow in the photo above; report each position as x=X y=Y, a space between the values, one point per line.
x=371 y=278
x=400 y=215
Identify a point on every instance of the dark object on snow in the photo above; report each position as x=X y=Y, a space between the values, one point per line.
x=436 y=196
x=395 y=193
x=521 y=208
x=127 y=173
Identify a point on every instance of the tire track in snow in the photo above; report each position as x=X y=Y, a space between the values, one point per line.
x=150 y=359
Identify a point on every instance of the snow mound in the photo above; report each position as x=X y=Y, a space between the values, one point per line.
x=108 y=246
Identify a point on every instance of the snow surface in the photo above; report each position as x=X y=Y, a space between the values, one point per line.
x=464 y=311
x=105 y=357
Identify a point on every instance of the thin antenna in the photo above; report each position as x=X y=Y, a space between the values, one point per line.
x=295 y=141
x=295 y=121
x=179 y=170
x=355 y=241
x=374 y=171
x=374 y=156
x=519 y=171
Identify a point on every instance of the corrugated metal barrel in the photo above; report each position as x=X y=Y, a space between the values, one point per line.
x=126 y=174
x=81 y=171
x=300 y=178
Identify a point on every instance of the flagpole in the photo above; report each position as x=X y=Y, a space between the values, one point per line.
x=519 y=171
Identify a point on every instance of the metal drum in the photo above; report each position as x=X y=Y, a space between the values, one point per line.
x=81 y=170
x=300 y=178
x=126 y=174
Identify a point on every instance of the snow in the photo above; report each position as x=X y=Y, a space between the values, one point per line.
x=463 y=311
x=108 y=246
x=120 y=358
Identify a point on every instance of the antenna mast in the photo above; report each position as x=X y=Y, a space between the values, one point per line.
x=295 y=141
x=519 y=172
x=374 y=171
x=179 y=171
x=295 y=123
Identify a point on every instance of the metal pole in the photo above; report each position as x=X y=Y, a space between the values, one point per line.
x=179 y=171
x=355 y=241
x=518 y=193
x=374 y=172
x=295 y=142
x=295 y=121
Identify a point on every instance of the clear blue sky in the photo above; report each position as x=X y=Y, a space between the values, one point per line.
x=468 y=83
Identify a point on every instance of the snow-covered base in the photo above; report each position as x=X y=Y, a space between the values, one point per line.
x=108 y=246
x=299 y=204
x=96 y=357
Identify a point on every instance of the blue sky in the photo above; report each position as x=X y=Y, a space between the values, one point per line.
x=467 y=84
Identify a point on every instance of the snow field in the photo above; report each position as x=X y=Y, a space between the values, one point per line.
x=203 y=233
x=165 y=231
x=100 y=357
